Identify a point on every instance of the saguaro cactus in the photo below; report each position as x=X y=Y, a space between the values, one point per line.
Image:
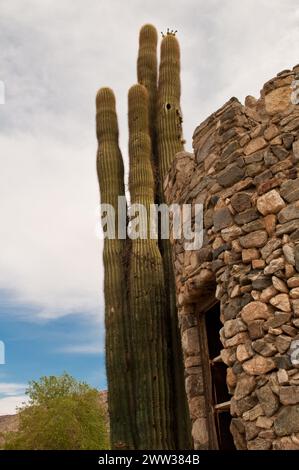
x=145 y=326
x=111 y=178
x=147 y=293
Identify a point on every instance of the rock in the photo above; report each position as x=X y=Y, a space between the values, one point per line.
x=197 y=407
x=254 y=240
x=270 y=203
x=251 y=431
x=254 y=311
x=295 y=304
x=222 y=218
x=282 y=377
x=249 y=254
x=294 y=293
x=271 y=246
x=228 y=356
x=282 y=302
x=282 y=343
x=232 y=327
x=264 y=422
x=279 y=284
x=200 y=431
x=190 y=341
x=194 y=385
x=268 y=401
x=264 y=348
x=285 y=443
x=268 y=293
x=296 y=150
x=239 y=338
x=290 y=189
x=244 y=404
x=282 y=362
x=270 y=224
x=254 y=413
x=258 y=365
x=244 y=352
x=245 y=385
x=289 y=213
x=279 y=152
x=241 y=201
x=289 y=395
x=246 y=216
x=288 y=227
x=294 y=352
x=287 y=420
x=271 y=132
x=257 y=224
x=289 y=253
x=230 y=175
x=277 y=320
x=278 y=100
x=238 y=437
x=254 y=145
x=275 y=265
x=260 y=444
x=231 y=233
x=255 y=329
x=297 y=257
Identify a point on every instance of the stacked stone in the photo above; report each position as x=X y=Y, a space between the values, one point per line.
x=244 y=172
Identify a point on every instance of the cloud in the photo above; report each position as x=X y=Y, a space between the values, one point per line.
x=7 y=388
x=54 y=56
x=88 y=349
x=9 y=405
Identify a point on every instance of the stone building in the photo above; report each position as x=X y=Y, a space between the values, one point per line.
x=243 y=391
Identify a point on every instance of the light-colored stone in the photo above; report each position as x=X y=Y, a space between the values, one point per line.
x=254 y=239
x=275 y=265
x=200 y=431
x=245 y=385
x=282 y=302
x=232 y=327
x=244 y=352
x=270 y=203
x=254 y=145
x=282 y=377
x=278 y=100
x=253 y=414
x=289 y=253
x=258 y=365
x=289 y=213
x=254 y=311
x=268 y=293
x=249 y=254
x=279 y=284
x=264 y=422
x=190 y=341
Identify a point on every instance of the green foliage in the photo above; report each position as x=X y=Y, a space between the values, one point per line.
x=62 y=414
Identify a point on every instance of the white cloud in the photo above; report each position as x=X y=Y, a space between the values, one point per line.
x=89 y=349
x=7 y=388
x=9 y=405
x=54 y=56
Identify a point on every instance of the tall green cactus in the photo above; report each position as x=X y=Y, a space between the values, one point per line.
x=143 y=326
x=147 y=293
x=111 y=179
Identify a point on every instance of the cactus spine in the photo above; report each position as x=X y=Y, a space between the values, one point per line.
x=111 y=178
x=146 y=292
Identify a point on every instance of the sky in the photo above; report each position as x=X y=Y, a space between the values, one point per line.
x=54 y=56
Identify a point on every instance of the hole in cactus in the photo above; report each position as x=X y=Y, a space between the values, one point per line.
x=168 y=106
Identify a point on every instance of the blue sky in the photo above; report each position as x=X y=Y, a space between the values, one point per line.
x=54 y=56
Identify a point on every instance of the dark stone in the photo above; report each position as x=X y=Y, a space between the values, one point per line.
x=230 y=175
x=245 y=404
x=222 y=218
x=255 y=329
x=294 y=236
x=238 y=436
x=282 y=362
x=208 y=218
x=288 y=227
x=260 y=444
x=278 y=320
x=254 y=169
x=220 y=250
x=237 y=368
x=230 y=148
x=217 y=264
x=262 y=347
x=194 y=385
x=279 y=152
x=288 y=140
x=241 y=201
x=261 y=283
x=290 y=190
x=268 y=401
x=246 y=216
x=251 y=430
x=257 y=224
x=263 y=177
x=270 y=159
x=287 y=420
x=231 y=309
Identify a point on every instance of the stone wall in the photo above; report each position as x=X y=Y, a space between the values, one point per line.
x=244 y=172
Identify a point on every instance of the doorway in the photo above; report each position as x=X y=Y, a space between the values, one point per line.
x=217 y=396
